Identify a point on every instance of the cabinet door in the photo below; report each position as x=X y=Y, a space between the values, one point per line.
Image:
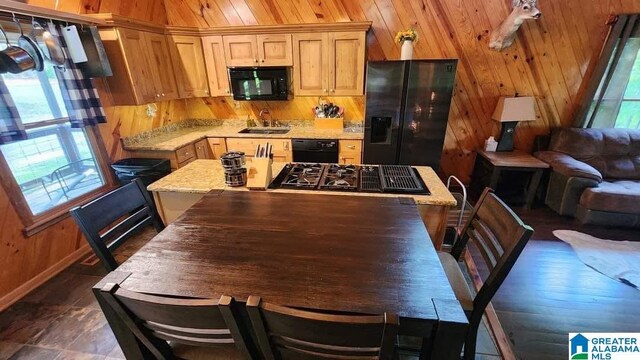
x=240 y=50
x=133 y=43
x=164 y=81
x=188 y=64
x=217 y=147
x=346 y=67
x=310 y=60
x=350 y=152
x=217 y=73
x=202 y=149
x=275 y=50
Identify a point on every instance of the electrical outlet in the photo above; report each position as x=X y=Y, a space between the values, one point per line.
x=236 y=104
x=152 y=110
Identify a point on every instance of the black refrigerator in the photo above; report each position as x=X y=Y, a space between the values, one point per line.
x=407 y=110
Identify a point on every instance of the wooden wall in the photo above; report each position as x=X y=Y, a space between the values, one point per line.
x=549 y=60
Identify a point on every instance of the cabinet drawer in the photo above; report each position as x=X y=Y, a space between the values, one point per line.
x=182 y=164
x=350 y=146
x=185 y=153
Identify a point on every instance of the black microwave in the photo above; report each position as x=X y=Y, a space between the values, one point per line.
x=264 y=83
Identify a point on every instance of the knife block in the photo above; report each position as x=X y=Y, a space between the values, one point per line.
x=259 y=175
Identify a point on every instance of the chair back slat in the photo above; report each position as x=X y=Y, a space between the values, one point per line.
x=288 y=333
x=108 y=208
x=131 y=202
x=195 y=322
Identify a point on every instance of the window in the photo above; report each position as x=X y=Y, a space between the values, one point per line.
x=616 y=100
x=56 y=164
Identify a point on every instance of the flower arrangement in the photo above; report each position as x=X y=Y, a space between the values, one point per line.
x=410 y=35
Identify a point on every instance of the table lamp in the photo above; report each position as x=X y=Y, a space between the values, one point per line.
x=509 y=111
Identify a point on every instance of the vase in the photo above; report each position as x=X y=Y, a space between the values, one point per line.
x=406 y=51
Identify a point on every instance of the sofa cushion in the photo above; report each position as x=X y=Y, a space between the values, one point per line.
x=622 y=196
x=615 y=153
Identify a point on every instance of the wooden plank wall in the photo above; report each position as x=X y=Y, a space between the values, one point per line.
x=549 y=60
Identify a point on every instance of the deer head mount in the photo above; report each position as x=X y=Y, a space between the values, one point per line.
x=505 y=34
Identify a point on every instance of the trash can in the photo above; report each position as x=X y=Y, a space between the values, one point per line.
x=147 y=170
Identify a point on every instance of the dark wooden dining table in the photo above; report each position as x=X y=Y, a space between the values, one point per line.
x=336 y=253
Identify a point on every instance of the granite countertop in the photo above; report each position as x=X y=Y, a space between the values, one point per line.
x=173 y=137
x=202 y=176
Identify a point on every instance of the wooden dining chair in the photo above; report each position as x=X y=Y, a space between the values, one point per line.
x=499 y=236
x=289 y=333
x=122 y=212
x=184 y=328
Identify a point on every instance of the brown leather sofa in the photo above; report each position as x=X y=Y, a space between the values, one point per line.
x=595 y=175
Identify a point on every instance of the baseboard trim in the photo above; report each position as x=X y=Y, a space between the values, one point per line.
x=24 y=289
x=493 y=323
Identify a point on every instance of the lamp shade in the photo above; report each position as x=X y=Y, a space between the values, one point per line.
x=515 y=109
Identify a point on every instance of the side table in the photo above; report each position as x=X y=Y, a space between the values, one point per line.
x=489 y=166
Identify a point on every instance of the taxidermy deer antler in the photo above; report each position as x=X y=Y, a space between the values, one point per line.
x=505 y=34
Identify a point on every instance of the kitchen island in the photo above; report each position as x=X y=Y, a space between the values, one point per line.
x=178 y=191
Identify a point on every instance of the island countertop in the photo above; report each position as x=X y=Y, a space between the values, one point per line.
x=202 y=176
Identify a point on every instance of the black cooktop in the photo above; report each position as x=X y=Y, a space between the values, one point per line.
x=399 y=179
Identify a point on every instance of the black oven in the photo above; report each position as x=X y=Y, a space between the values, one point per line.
x=267 y=83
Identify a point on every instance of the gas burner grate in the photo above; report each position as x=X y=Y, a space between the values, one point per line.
x=370 y=179
x=399 y=178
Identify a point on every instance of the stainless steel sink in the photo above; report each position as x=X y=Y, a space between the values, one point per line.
x=264 y=131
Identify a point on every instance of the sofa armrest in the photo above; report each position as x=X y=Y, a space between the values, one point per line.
x=568 y=166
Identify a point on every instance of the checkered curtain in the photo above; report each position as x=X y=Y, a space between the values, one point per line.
x=79 y=95
x=11 y=128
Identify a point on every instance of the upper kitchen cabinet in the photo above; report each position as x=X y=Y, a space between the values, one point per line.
x=130 y=83
x=258 y=50
x=160 y=67
x=329 y=63
x=217 y=73
x=189 y=67
x=346 y=63
x=275 y=50
x=310 y=58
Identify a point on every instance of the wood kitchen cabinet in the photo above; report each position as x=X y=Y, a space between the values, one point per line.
x=130 y=83
x=217 y=147
x=217 y=73
x=160 y=67
x=189 y=66
x=202 y=149
x=350 y=152
x=329 y=63
x=281 y=147
x=258 y=50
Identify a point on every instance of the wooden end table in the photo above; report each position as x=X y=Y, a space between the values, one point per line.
x=489 y=166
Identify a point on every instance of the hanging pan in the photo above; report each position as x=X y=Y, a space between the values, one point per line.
x=30 y=46
x=14 y=58
x=56 y=55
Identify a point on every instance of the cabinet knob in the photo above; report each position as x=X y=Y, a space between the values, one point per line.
x=351 y=146
x=206 y=91
x=157 y=95
x=227 y=91
x=332 y=90
x=256 y=60
x=325 y=90
x=262 y=60
x=162 y=94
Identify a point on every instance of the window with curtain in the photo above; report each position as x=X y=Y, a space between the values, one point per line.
x=614 y=91
x=43 y=144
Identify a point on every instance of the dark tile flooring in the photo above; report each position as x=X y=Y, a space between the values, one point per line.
x=61 y=319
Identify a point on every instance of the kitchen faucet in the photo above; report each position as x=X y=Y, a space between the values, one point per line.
x=264 y=121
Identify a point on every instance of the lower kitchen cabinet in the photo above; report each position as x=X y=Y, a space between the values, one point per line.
x=217 y=147
x=281 y=147
x=178 y=158
x=202 y=149
x=350 y=152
